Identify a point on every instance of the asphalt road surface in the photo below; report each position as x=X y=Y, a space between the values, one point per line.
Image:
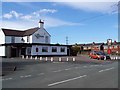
x=82 y=73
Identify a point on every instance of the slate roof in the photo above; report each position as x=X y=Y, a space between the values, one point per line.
x=11 y=32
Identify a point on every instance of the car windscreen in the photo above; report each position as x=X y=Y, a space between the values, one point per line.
x=100 y=53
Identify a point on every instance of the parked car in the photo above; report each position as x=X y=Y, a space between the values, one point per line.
x=99 y=55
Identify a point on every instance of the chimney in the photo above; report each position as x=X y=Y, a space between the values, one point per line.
x=41 y=24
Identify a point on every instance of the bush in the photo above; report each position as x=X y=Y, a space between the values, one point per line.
x=75 y=50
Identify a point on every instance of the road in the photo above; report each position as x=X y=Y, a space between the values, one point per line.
x=56 y=74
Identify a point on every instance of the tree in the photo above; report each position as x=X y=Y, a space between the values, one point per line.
x=75 y=50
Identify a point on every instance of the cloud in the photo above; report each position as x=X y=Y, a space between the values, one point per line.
x=26 y=17
x=102 y=7
x=12 y=14
x=8 y=16
x=25 y=24
x=53 y=22
x=47 y=11
x=25 y=21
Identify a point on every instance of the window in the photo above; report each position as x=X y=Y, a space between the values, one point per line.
x=46 y=39
x=44 y=49
x=28 y=38
x=54 y=49
x=12 y=39
x=29 y=51
x=62 y=49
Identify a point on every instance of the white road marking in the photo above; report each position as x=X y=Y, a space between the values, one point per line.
x=41 y=74
x=94 y=65
x=60 y=82
x=57 y=71
x=68 y=69
x=84 y=66
x=25 y=76
x=7 y=79
x=106 y=69
x=76 y=67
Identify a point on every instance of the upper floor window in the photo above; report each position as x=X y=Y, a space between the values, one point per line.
x=62 y=49
x=46 y=39
x=44 y=49
x=12 y=39
x=54 y=49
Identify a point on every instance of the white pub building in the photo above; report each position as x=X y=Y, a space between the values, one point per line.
x=31 y=42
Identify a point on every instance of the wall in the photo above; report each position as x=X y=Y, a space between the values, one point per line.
x=42 y=32
x=2 y=41
x=18 y=40
x=33 y=50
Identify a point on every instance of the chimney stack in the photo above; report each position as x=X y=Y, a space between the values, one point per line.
x=41 y=24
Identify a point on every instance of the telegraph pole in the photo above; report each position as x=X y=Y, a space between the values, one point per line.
x=66 y=40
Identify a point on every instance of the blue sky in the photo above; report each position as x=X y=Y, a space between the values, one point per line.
x=82 y=22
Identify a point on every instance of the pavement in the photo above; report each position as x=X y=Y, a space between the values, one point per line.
x=81 y=73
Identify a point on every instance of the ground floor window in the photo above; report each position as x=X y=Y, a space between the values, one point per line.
x=29 y=51
x=62 y=49
x=44 y=49
x=54 y=49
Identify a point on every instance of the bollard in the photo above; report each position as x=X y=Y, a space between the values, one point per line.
x=67 y=58
x=31 y=57
x=26 y=57
x=51 y=59
x=73 y=59
x=46 y=59
x=116 y=58
x=40 y=58
x=36 y=58
x=14 y=69
x=22 y=56
x=60 y=59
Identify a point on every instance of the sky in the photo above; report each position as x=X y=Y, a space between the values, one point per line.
x=81 y=22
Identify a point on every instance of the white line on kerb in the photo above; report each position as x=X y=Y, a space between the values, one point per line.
x=66 y=80
x=106 y=69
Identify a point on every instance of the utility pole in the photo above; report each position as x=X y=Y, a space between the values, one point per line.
x=66 y=40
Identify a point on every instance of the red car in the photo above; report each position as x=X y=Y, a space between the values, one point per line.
x=99 y=55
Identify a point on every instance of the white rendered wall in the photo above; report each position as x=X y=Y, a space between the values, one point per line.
x=25 y=38
x=18 y=40
x=42 y=32
x=2 y=41
x=33 y=50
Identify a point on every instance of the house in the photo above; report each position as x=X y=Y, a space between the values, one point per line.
x=34 y=41
x=115 y=47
